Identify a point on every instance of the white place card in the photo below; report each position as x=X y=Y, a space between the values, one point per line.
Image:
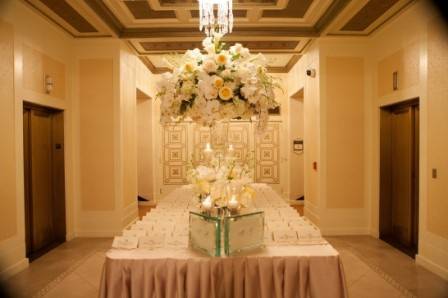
x=152 y=241
x=125 y=242
x=177 y=241
x=277 y=225
x=296 y=225
x=134 y=233
x=285 y=236
x=308 y=233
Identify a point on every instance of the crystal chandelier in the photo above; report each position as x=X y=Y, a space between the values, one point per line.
x=222 y=23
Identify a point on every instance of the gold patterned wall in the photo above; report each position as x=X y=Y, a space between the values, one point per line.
x=175 y=153
x=267 y=151
x=262 y=151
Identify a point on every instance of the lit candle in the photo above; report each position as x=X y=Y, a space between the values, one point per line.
x=207 y=203
x=230 y=147
x=208 y=148
x=233 y=203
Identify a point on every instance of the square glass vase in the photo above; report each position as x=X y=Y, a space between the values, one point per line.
x=205 y=233
x=243 y=232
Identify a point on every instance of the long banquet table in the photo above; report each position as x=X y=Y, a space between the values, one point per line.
x=303 y=268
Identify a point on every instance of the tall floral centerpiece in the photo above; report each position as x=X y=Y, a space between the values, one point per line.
x=218 y=84
x=211 y=87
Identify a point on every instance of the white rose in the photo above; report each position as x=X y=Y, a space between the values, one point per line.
x=209 y=66
x=218 y=82
x=221 y=58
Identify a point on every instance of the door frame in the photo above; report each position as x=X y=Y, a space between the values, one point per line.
x=27 y=186
x=416 y=175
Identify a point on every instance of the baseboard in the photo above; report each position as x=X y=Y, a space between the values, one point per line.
x=14 y=269
x=375 y=233
x=431 y=266
x=97 y=234
x=69 y=236
x=344 y=231
x=296 y=202
x=310 y=214
x=151 y=203
x=131 y=223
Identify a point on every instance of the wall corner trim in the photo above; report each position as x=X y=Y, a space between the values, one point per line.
x=431 y=266
x=14 y=269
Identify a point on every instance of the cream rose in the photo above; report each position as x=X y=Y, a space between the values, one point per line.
x=218 y=82
x=221 y=59
x=225 y=93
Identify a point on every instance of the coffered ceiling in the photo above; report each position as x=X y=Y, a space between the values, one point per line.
x=282 y=29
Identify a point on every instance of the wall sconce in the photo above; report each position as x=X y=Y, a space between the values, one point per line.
x=48 y=84
x=395 y=80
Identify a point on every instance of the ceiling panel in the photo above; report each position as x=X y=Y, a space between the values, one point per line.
x=142 y=10
x=239 y=13
x=281 y=29
x=368 y=14
x=294 y=9
x=70 y=15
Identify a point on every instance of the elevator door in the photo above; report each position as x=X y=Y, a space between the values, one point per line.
x=44 y=179
x=399 y=176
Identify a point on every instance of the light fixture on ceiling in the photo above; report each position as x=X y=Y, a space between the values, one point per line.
x=222 y=22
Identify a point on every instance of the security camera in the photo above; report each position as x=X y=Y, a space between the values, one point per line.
x=311 y=72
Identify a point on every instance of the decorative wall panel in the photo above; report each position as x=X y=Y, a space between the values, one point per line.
x=238 y=135
x=175 y=154
x=261 y=151
x=267 y=151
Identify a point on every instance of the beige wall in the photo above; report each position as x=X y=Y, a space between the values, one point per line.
x=129 y=123
x=144 y=151
x=297 y=80
x=296 y=165
x=32 y=36
x=36 y=66
x=345 y=132
x=437 y=138
x=344 y=88
x=415 y=45
x=96 y=76
x=8 y=195
x=111 y=96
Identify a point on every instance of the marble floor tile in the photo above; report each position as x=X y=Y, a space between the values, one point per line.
x=371 y=285
x=73 y=286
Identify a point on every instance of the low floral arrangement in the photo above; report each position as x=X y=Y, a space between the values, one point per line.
x=219 y=84
x=220 y=180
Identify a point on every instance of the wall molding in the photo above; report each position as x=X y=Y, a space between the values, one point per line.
x=98 y=233
x=12 y=251
x=345 y=231
x=14 y=269
x=130 y=214
x=431 y=266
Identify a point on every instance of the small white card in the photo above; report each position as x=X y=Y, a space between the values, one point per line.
x=277 y=225
x=177 y=241
x=285 y=236
x=134 y=233
x=125 y=242
x=152 y=241
x=308 y=233
x=297 y=224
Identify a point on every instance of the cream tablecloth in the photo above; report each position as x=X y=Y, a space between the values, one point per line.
x=274 y=271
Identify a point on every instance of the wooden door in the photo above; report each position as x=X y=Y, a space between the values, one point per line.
x=399 y=176
x=44 y=179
